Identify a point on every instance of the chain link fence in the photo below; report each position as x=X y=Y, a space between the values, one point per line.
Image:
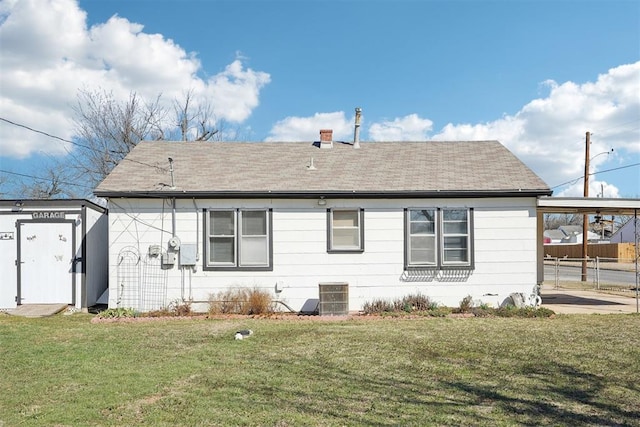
x=607 y=274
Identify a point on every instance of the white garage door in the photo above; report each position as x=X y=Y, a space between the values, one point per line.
x=46 y=263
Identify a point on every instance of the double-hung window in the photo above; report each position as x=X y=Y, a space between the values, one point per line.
x=455 y=237
x=238 y=239
x=439 y=238
x=345 y=230
x=421 y=240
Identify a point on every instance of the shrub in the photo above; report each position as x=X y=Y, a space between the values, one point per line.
x=174 y=309
x=377 y=306
x=466 y=304
x=181 y=309
x=241 y=301
x=113 y=313
x=417 y=302
x=412 y=303
x=227 y=302
x=259 y=302
x=423 y=306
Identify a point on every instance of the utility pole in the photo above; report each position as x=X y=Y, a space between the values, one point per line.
x=585 y=217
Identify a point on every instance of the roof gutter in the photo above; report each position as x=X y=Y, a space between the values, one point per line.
x=434 y=194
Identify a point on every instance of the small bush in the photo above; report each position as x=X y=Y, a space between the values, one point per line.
x=241 y=301
x=259 y=302
x=183 y=309
x=417 y=302
x=114 y=313
x=176 y=308
x=466 y=304
x=412 y=303
x=377 y=306
x=421 y=305
x=228 y=302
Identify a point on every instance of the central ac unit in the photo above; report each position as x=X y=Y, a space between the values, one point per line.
x=334 y=299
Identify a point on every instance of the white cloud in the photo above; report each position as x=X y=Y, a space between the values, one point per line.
x=308 y=128
x=48 y=53
x=548 y=134
x=235 y=91
x=407 y=128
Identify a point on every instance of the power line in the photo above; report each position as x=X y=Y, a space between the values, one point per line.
x=37 y=178
x=46 y=134
x=75 y=143
x=595 y=173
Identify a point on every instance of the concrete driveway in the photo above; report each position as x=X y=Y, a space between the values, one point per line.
x=573 y=301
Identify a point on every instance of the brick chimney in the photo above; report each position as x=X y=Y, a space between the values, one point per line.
x=326 y=138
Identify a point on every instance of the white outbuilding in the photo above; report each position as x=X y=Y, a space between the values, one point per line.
x=52 y=252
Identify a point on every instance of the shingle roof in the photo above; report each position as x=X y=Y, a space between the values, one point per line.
x=225 y=168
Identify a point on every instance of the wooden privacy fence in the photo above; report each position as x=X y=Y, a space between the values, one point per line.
x=621 y=251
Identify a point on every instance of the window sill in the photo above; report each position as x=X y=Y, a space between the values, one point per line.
x=265 y=268
x=345 y=251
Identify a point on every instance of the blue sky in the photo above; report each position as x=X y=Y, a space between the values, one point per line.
x=535 y=75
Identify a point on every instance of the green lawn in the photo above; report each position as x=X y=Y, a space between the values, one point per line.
x=567 y=370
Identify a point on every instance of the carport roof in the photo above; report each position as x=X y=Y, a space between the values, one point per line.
x=588 y=205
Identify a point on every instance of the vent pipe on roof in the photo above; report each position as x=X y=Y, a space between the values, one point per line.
x=173 y=185
x=356 y=132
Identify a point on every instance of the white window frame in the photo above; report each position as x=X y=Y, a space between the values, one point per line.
x=411 y=235
x=238 y=263
x=359 y=229
x=444 y=235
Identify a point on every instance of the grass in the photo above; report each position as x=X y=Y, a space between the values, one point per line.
x=567 y=370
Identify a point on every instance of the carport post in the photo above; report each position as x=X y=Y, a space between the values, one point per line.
x=637 y=254
x=585 y=217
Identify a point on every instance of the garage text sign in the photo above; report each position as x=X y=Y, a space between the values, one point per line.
x=48 y=215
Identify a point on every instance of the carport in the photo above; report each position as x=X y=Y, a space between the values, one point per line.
x=587 y=206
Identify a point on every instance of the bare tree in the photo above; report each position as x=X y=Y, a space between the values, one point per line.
x=53 y=187
x=195 y=122
x=4 y=186
x=553 y=221
x=107 y=130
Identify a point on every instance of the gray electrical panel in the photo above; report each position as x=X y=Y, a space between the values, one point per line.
x=188 y=254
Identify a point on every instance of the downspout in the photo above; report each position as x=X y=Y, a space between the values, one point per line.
x=193 y=269
x=173 y=217
x=197 y=230
x=173 y=200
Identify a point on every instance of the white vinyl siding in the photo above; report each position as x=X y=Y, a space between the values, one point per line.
x=502 y=249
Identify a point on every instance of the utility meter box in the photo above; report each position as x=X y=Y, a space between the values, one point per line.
x=168 y=258
x=188 y=254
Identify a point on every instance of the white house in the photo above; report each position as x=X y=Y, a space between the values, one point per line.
x=627 y=233
x=53 y=251
x=313 y=222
